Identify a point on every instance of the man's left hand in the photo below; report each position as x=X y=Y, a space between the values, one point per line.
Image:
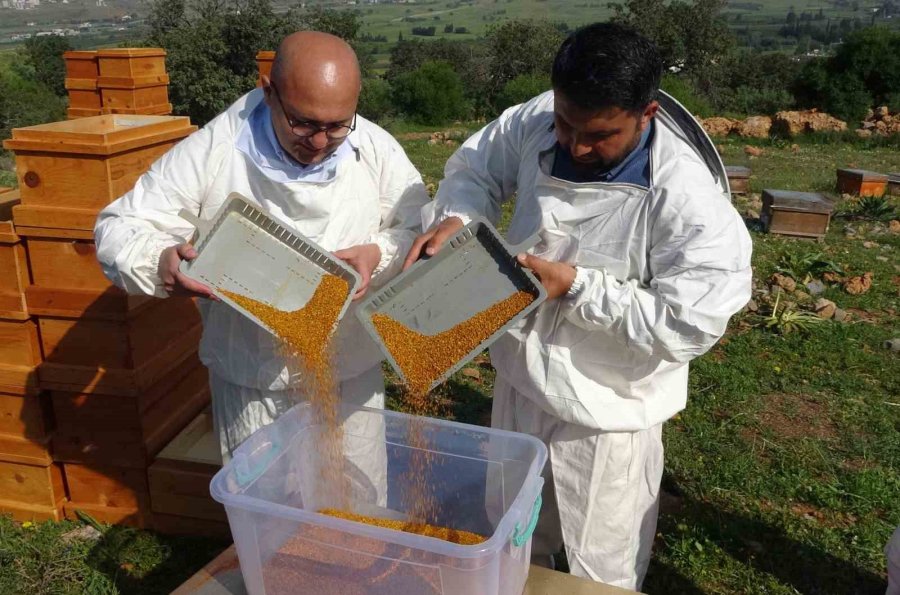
x=556 y=277
x=363 y=258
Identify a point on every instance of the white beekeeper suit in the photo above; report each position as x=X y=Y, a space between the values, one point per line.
x=661 y=270
x=372 y=195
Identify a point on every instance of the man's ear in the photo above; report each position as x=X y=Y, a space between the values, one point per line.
x=649 y=113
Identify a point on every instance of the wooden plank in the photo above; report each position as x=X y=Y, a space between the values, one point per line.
x=25 y=511
x=132 y=62
x=15 y=449
x=81 y=64
x=55 y=232
x=31 y=484
x=14 y=274
x=134 y=99
x=111 y=304
x=196 y=443
x=132 y=516
x=20 y=354
x=55 y=217
x=66 y=263
x=111 y=487
x=182 y=489
x=26 y=416
x=160 y=110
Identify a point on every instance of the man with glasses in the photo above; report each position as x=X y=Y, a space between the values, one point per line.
x=297 y=148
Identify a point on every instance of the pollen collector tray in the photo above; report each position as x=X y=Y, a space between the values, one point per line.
x=473 y=271
x=245 y=251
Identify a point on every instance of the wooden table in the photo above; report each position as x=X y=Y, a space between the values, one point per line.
x=222 y=576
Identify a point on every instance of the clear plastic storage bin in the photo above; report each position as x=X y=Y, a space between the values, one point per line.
x=483 y=480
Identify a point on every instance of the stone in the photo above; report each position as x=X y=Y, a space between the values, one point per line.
x=882 y=259
x=751 y=214
x=860 y=284
x=825 y=308
x=795 y=148
x=892 y=344
x=783 y=281
x=797 y=122
x=863 y=133
x=801 y=296
x=882 y=111
x=717 y=126
x=472 y=373
x=870 y=244
x=753 y=151
x=815 y=287
x=755 y=127
x=752 y=306
x=841 y=315
x=894 y=226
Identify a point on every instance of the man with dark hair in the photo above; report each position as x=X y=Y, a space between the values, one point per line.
x=644 y=261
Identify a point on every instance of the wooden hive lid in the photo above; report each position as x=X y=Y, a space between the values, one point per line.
x=737 y=171
x=865 y=174
x=80 y=55
x=131 y=53
x=197 y=443
x=803 y=202
x=894 y=177
x=99 y=135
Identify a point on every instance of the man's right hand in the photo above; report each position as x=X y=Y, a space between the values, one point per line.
x=432 y=240
x=174 y=281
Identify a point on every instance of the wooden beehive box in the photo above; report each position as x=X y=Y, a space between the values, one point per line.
x=81 y=64
x=20 y=356
x=738 y=178
x=118 y=357
x=67 y=280
x=800 y=214
x=861 y=182
x=131 y=63
x=264 y=60
x=31 y=492
x=894 y=184
x=77 y=167
x=127 y=431
x=145 y=95
x=83 y=94
x=179 y=478
x=82 y=70
x=13 y=262
x=25 y=428
x=115 y=495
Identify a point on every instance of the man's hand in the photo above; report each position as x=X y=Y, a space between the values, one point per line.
x=363 y=258
x=174 y=281
x=556 y=277
x=432 y=240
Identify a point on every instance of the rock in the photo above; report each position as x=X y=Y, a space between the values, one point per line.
x=718 y=126
x=882 y=259
x=894 y=226
x=870 y=113
x=863 y=133
x=815 y=287
x=869 y=124
x=797 y=122
x=754 y=201
x=830 y=277
x=795 y=148
x=755 y=127
x=841 y=315
x=753 y=151
x=858 y=285
x=892 y=344
x=801 y=296
x=751 y=214
x=450 y=143
x=783 y=281
x=881 y=126
x=882 y=112
x=825 y=308
x=85 y=533
x=434 y=141
x=752 y=306
x=471 y=373
x=870 y=244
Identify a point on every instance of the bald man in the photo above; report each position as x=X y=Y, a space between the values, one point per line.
x=298 y=149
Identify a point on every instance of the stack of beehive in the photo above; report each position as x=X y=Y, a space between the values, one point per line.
x=120 y=372
x=117 y=81
x=31 y=485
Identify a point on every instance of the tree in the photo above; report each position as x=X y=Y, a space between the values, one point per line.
x=25 y=102
x=521 y=47
x=43 y=62
x=521 y=89
x=432 y=94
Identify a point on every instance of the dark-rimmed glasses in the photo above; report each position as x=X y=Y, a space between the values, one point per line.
x=306 y=128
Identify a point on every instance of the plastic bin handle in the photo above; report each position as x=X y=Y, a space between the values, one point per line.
x=520 y=537
x=245 y=474
x=196 y=222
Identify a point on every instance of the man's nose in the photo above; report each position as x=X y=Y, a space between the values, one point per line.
x=318 y=140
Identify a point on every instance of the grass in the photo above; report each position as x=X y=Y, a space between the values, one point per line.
x=782 y=475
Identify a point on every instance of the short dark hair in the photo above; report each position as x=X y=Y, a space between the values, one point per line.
x=607 y=65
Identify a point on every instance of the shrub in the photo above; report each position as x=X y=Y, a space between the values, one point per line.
x=432 y=94
x=375 y=101
x=686 y=93
x=521 y=89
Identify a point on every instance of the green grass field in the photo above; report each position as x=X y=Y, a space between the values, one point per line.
x=782 y=475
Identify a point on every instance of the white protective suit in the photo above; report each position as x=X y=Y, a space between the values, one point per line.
x=374 y=196
x=661 y=271
x=892 y=553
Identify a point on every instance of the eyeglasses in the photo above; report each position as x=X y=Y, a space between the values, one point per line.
x=306 y=128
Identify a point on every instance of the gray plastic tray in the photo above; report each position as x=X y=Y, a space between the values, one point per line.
x=244 y=250
x=473 y=271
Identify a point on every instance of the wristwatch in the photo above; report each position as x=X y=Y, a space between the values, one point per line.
x=578 y=284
